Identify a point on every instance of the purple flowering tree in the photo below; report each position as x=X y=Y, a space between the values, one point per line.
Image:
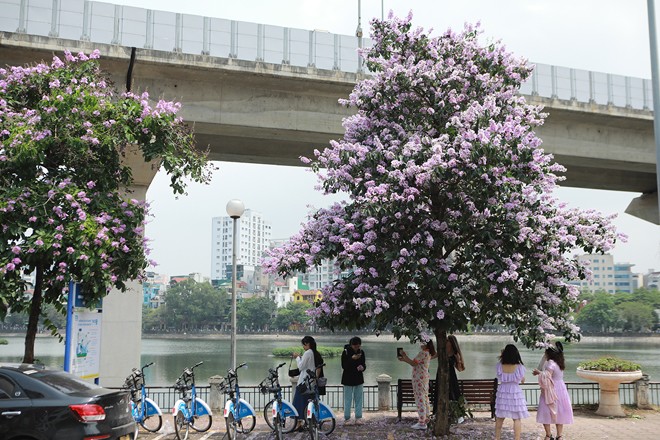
x=450 y=219
x=66 y=212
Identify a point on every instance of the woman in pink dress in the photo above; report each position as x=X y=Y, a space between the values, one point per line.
x=510 y=401
x=420 y=381
x=555 y=403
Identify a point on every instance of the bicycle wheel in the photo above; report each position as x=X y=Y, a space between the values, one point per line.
x=288 y=423
x=247 y=424
x=232 y=427
x=313 y=428
x=268 y=414
x=181 y=426
x=327 y=426
x=151 y=422
x=279 y=435
x=202 y=423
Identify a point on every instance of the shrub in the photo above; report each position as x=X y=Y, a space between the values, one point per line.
x=609 y=363
x=3 y=341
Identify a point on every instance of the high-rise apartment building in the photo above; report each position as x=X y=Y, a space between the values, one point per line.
x=320 y=276
x=253 y=238
x=607 y=275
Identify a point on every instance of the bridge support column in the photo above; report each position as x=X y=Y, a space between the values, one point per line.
x=645 y=207
x=121 y=331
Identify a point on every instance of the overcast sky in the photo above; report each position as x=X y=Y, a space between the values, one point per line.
x=599 y=35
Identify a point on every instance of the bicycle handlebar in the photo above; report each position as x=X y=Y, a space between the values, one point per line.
x=148 y=365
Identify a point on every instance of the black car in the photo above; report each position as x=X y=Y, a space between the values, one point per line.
x=37 y=403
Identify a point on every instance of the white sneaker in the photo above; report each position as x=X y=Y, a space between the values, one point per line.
x=419 y=426
x=348 y=421
x=359 y=422
x=460 y=420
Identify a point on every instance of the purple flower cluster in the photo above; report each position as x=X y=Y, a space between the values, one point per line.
x=450 y=219
x=66 y=210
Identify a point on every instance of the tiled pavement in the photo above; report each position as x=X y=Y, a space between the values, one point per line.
x=638 y=425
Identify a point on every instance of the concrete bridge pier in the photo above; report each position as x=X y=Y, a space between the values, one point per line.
x=121 y=331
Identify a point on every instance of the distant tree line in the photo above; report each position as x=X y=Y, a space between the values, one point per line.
x=620 y=312
x=193 y=306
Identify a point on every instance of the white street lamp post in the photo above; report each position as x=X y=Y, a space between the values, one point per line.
x=235 y=209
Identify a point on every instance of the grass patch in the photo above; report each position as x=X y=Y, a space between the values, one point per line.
x=324 y=351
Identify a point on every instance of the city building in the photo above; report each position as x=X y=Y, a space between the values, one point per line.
x=195 y=276
x=153 y=289
x=651 y=279
x=607 y=275
x=253 y=239
x=307 y=295
x=320 y=276
x=281 y=291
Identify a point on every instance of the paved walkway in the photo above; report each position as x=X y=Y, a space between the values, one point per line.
x=638 y=425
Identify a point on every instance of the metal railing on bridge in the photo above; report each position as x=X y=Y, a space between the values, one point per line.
x=192 y=34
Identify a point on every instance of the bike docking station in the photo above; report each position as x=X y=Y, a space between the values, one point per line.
x=82 y=348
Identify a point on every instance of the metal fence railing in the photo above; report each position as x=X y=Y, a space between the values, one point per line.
x=581 y=393
x=108 y=23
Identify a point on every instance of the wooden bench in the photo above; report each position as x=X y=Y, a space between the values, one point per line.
x=475 y=391
x=479 y=391
x=404 y=394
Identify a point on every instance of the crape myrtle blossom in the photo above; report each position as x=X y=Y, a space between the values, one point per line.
x=66 y=210
x=450 y=219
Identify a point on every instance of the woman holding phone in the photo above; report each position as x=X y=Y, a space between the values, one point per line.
x=420 y=380
x=353 y=364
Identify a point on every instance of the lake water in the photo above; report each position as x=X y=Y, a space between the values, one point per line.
x=172 y=355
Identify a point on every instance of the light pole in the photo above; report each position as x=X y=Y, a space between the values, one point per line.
x=358 y=34
x=655 y=78
x=235 y=209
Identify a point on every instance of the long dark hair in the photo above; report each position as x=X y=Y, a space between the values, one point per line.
x=556 y=354
x=454 y=345
x=311 y=341
x=430 y=346
x=510 y=355
x=318 y=359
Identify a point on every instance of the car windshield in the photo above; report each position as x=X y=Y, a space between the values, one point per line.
x=63 y=382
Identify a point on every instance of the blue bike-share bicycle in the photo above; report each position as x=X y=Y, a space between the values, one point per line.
x=145 y=411
x=190 y=410
x=280 y=415
x=319 y=416
x=240 y=417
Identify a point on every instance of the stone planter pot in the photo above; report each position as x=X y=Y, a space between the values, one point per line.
x=609 y=404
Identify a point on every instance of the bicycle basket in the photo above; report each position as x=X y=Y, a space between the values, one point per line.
x=183 y=383
x=307 y=388
x=135 y=380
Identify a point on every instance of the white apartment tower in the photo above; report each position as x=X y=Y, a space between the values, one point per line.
x=253 y=239
x=607 y=275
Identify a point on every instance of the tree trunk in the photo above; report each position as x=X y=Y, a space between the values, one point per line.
x=442 y=390
x=33 y=320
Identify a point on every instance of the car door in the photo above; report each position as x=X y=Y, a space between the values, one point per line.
x=15 y=408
